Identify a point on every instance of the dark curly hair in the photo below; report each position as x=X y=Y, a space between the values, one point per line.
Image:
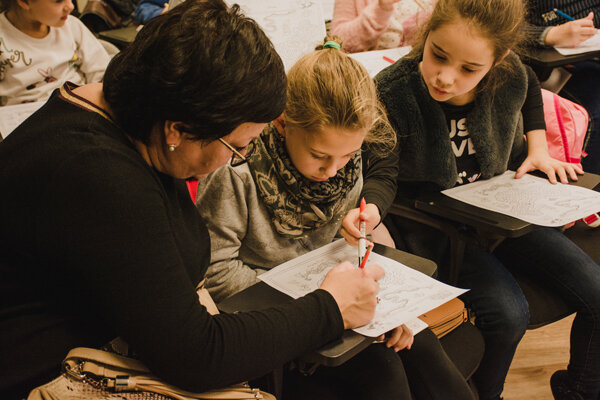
x=201 y=63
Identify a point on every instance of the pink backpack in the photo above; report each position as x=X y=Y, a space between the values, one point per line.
x=566 y=127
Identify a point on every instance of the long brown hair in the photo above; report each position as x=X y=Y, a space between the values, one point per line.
x=500 y=21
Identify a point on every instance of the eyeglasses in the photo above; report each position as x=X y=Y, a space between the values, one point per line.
x=238 y=158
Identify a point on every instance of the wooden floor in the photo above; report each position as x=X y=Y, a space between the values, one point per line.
x=541 y=352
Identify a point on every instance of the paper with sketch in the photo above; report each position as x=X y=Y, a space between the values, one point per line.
x=376 y=60
x=404 y=292
x=12 y=116
x=591 y=44
x=295 y=27
x=530 y=198
x=327 y=7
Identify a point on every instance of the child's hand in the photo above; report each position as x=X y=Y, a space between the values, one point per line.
x=572 y=33
x=550 y=167
x=399 y=338
x=387 y=4
x=350 y=229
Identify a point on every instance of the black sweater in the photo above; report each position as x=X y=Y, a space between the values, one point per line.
x=540 y=13
x=94 y=244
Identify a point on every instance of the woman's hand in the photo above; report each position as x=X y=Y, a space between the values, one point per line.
x=350 y=229
x=550 y=166
x=572 y=33
x=354 y=290
x=399 y=338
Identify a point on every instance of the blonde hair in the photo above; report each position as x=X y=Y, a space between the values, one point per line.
x=499 y=21
x=326 y=88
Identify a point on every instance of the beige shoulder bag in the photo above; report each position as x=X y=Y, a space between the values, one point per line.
x=91 y=374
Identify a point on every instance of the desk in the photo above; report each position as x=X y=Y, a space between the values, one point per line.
x=485 y=220
x=544 y=60
x=119 y=37
x=261 y=295
x=490 y=227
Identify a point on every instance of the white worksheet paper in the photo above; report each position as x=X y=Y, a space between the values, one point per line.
x=529 y=198
x=374 y=62
x=13 y=115
x=294 y=26
x=591 y=44
x=404 y=292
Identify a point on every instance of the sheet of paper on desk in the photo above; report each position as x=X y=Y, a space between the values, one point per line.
x=376 y=60
x=294 y=26
x=530 y=198
x=592 y=44
x=12 y=116
x=404 y=292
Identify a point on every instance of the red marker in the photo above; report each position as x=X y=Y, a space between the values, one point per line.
x=364 y=260
x=362 y=241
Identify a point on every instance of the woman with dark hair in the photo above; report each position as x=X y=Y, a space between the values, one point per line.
x=99 y=237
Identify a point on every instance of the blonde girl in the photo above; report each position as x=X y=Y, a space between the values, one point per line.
x=302 y=176
x=460 y=104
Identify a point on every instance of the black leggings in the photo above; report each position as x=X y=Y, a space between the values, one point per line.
x=380 y=373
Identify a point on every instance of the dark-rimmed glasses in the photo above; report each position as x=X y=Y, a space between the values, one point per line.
x=238 y=158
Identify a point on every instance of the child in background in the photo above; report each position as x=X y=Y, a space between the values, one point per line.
x=378 y=24
x=304 y=175
x=549 y=28
x=148 y=9
x=42 y=47
x=460 y=104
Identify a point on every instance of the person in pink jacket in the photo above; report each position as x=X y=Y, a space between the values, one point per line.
x=378 y=24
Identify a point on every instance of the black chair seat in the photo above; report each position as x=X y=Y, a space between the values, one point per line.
x=464 y=347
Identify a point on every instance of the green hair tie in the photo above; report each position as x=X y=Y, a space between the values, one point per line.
x=331 y=44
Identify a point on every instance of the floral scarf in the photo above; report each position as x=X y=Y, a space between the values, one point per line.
x=296 y=204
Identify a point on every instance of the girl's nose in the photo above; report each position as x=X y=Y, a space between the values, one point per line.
x=444 y=78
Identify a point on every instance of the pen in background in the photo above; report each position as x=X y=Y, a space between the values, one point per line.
x=562 y=14
x=362 y=241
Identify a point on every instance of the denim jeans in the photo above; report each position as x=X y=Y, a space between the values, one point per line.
x=499 y=304
x=502 y=310
x=584 y=88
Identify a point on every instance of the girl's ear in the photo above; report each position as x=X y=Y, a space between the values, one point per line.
x=24 y=4
x=279 y=124
x=174 y=132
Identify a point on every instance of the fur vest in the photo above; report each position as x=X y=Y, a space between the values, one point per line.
x=495 y=125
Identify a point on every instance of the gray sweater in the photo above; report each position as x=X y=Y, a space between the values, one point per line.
x=244 y=242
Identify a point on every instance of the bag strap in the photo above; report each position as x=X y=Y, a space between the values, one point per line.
x=561 y=126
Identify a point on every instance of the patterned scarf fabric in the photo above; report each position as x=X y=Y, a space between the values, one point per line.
x=296 y=204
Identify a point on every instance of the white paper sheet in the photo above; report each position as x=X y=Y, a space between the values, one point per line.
x=327 y=6
x=530 y=198
x=12 y=116
x=404 y=292
x=376 y=60
x=295 y=27
x=592 y=44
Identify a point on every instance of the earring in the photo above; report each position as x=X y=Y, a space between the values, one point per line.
x=172 y=147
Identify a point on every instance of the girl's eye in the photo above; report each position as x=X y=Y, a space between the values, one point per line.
x=468 y=70
x=438 y=56
x=318 y=157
